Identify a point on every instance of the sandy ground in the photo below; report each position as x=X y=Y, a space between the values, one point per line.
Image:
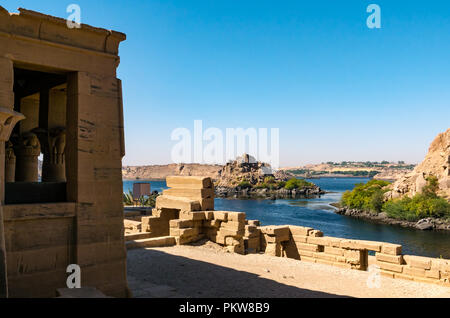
x=208 y=271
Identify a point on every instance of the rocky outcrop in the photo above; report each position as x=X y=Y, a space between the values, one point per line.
x=436 y=163
x=244 y=176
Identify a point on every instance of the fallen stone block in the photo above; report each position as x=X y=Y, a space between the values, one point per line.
x=152 y=242
x=182 y=240
x=182 y=204
x=189 y=182
x=137 y=236
x=281 y=230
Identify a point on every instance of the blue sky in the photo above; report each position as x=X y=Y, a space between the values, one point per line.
x=336 y=89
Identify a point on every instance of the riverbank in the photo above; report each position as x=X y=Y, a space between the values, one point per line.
x=423 y=224
x=265 y=193
x=254 y=275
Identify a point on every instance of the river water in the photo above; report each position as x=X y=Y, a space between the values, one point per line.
x=318 y=214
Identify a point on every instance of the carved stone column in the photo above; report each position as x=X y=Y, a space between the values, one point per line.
x=10 y=163
x=53 y=145
x=27 y=151
x=8 y=119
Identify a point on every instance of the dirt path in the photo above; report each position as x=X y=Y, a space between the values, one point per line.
x=208 y=271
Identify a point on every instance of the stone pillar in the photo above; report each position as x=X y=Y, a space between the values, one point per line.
x=27 y=151
x=53 y=148
x=8 y=119
x=10 y=163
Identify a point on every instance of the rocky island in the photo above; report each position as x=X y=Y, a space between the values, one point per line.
x=247 y=178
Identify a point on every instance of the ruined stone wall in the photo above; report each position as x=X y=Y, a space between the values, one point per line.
x=238 y=235
x=307 y=244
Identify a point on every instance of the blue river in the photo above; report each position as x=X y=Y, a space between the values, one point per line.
x=318 y=214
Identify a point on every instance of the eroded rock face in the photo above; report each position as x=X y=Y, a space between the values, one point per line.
x=246 y=168
x=436 y=163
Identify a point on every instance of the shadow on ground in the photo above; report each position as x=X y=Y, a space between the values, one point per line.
x=153 y=273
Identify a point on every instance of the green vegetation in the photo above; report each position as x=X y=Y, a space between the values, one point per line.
x=244 y=184
x=367 y=197
x=425 y=204
x=370 y=197
x=147 y=201
x=297 y=184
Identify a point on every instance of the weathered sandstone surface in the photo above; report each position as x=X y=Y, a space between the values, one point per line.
x=436 y=163
x=247 y=170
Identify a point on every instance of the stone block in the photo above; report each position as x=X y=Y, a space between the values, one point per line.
x=254 y=222
x=236 y=217
x=418 y=261
x=193 y=194
x=232 y=225
x=394 y=259
x=189 y=182
x=299 y=238
x=325 y=256
x=433 y=273
x=273 y=249
x=390 y=267
x=206 y=204
x=393 y=249
x=227 y=232
x=323 y=241
x=181 y=224
x=299 y=230
x=308 y=247
x=181 y=204
x=413 y=271
x=333 y=250
x=194 y=216
x=315 y=233
x=221 y=215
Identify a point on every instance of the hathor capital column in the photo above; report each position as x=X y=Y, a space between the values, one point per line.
x=8 y=119
x=27 y=151
x=10 y=163
x=53 y=145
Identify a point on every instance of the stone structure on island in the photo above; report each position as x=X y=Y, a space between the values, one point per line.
x=436 y=163
x=60 y=98
x=185 y=214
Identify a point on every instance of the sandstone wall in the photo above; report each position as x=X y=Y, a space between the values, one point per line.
x=41 y=240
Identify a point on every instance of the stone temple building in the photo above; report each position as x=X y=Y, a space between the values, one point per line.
x=60 y=104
